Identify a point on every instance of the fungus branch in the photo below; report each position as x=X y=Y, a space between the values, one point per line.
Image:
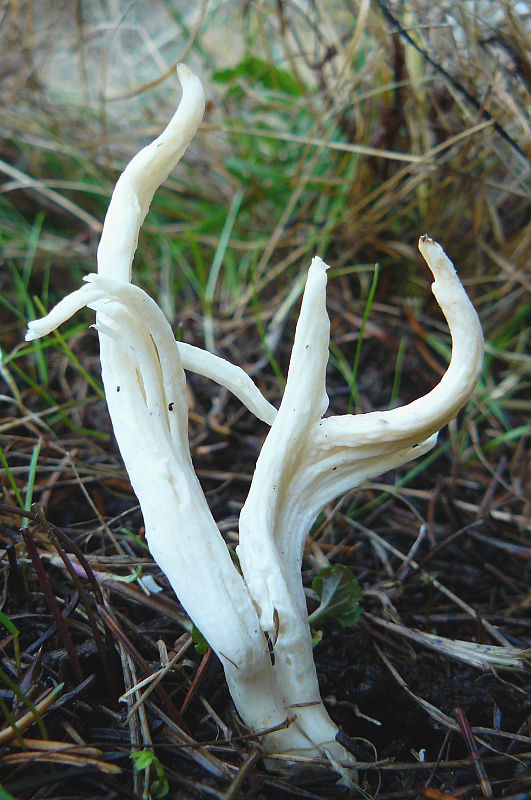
x=307 y=461
x=192 y=358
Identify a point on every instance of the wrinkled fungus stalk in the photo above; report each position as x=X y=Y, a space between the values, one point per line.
x=256 y=620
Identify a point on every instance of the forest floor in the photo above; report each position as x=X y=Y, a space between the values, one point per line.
x=347 y=129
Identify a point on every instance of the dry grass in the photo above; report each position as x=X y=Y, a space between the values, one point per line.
x=346 y=128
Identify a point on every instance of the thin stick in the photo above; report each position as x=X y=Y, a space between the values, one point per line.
x=470 y=741
x=198 y=677
x=115 y=629
x=46 y=587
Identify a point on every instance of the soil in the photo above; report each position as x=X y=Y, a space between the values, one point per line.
x=380 y=720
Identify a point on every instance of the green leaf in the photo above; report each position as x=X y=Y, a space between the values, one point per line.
x=143 y=759
x=340 y=593
x=257 y=70
x=128 y=578
x=136 y=539
x=160 y=787
x=200 y=643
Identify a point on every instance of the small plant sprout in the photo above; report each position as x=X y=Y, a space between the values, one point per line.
x=256 y=620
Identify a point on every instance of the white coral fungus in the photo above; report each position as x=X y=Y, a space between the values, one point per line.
x=306 y=460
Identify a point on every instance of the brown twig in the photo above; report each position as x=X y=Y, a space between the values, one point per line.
x=55 y=535
x=198 y=677
x=52 y=602
x=117 y=631
x=470 y=741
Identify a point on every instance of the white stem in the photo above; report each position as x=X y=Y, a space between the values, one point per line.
x=302 y=406
x=270 y=552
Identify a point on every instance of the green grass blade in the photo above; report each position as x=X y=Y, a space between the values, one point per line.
x=366 y=311
x=11 y=722
x=11 y=479
x=13 y=630
x=399 y=363
x=74 y=360
x=215 y=269
x=31 y=478
x=261 y=332
x=30 y=313
x=26 y=701
x=409 y=476
x=31 y=249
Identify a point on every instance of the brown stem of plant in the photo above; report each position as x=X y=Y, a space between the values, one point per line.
x=46 y=587
x=198 y=677
x=470 y=741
